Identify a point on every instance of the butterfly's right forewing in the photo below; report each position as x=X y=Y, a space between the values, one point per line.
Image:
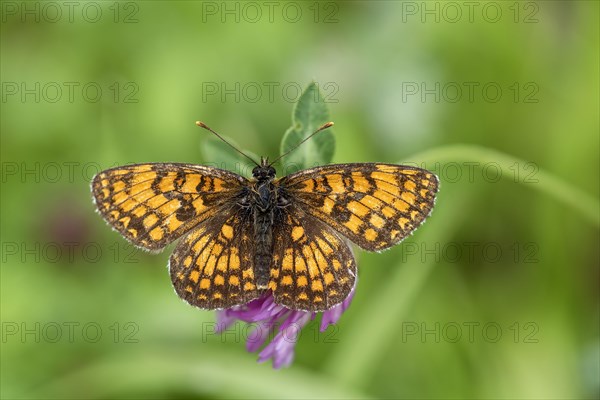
x=374 y=205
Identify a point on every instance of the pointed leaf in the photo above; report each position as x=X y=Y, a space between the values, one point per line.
x=309 y=114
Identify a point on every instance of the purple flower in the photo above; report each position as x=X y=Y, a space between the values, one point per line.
x=279 y=323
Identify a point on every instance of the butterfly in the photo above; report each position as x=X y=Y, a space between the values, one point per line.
x=240 y=238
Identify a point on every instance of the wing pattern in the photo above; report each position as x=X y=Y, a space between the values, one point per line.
x=313 y=267
x=373 y=205
x=213 y=266
x=153 y=204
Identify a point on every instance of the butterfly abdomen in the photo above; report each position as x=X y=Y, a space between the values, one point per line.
x=263 y=239
x=263 y=209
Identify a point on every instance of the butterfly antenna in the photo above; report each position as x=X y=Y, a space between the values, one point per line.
x=322 y=128
x=203 y=125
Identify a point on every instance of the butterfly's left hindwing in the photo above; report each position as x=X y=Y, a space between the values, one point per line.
x=213 y=266
x=153 y=204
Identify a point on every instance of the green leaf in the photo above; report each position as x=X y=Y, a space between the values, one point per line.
x=218 y=154
x=309 y=114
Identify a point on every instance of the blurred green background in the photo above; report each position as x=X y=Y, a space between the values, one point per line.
x=496 y=296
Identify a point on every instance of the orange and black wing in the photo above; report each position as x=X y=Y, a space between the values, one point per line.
x=151 y=205
x=374 y=205
x=313 y=266
x=213 y=266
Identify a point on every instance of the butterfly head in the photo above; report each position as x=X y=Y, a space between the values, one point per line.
x=264 y=171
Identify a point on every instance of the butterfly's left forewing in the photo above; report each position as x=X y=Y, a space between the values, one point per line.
x=151 y=205
x=374 y=205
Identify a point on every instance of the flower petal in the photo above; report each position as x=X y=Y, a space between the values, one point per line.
x=268 y=317
x=333 y=315
x=260 y=333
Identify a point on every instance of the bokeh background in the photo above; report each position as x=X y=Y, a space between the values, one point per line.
x=496 y=296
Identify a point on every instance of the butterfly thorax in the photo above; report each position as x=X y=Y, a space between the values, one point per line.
x=264 y=201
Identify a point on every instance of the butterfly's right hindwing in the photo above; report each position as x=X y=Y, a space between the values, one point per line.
x=313 y=266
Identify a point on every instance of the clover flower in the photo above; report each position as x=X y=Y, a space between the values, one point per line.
x=281 y=324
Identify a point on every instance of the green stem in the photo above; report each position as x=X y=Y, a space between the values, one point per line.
x=547 y=183
x=211 y=375
x=367 y=339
